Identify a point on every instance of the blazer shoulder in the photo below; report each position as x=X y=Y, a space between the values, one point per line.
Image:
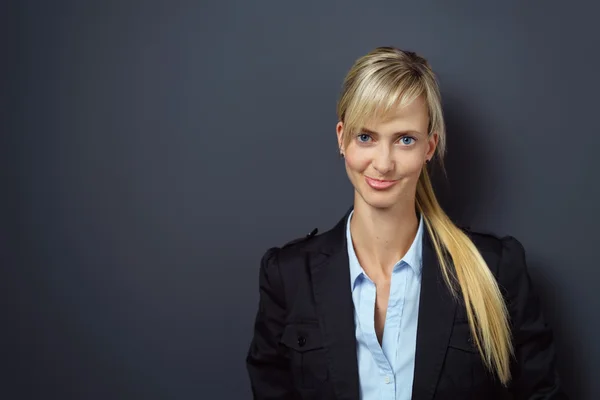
x=302 y=239
x=484 y=241
x=297 y=247
x=500 y=252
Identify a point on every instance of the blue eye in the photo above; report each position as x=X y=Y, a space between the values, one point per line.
x=407 y=140
x=363 y=137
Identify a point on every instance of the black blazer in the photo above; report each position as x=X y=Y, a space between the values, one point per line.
x=304 y=344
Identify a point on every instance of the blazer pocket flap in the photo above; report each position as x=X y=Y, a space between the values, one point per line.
x=461 y=338
x=302 y=337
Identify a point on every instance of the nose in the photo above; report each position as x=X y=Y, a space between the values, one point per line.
x=383 y=161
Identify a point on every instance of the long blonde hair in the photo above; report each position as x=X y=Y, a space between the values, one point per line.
x=385 y=78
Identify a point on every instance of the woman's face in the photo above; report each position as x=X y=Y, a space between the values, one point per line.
x=385 y=158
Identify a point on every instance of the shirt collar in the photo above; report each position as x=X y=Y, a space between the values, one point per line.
x=413 y=256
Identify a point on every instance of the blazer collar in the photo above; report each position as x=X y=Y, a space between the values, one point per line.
x=335 y=311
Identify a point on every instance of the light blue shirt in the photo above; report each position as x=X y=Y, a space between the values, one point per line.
x=386 y=371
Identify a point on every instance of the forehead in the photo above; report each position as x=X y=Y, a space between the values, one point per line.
x=413 y=116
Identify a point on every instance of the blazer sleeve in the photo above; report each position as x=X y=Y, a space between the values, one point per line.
x=267 y=366
x=534 y=374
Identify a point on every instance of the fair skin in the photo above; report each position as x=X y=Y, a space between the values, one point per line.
x=384 y=223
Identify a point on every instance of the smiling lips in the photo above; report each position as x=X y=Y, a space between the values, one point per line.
x=379 y=184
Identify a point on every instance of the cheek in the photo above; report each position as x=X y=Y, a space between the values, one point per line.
x=413 y=167
x=410 y=164
x=356 y=162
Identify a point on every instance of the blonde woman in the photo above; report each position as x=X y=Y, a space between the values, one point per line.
x=395 y=301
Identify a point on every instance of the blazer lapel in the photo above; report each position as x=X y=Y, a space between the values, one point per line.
x=436 y=315
x=335 y=309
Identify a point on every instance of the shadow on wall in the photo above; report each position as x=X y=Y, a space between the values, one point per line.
x=467 y=164
x=469 y=167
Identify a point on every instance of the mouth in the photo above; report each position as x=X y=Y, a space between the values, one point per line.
x=380 y=184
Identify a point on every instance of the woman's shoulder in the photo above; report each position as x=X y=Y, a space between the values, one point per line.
x=327 y=241
x=488 y=240
x=502 y=253
x=302 y=239
x=312 y=247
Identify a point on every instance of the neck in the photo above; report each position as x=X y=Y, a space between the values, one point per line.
x=381 y=237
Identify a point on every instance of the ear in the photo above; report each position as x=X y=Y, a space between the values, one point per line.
x=432 y=143
x=339 y=129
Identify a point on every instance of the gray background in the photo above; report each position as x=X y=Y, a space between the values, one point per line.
x=154 y=150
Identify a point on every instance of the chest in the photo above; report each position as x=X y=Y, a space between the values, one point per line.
x=387 y=304
x=382 y=297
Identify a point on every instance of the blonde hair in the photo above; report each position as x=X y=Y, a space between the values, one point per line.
x=388 y=77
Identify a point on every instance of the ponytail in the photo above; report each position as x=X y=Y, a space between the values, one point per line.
x=465 y=270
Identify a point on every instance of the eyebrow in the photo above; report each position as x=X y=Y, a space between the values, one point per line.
x=407 y=132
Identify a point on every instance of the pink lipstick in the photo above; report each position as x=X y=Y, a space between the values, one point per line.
x=379 y=184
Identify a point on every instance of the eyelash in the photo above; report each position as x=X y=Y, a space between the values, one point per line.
x=403 y=137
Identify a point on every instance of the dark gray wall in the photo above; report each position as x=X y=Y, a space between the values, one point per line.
x=154 y=150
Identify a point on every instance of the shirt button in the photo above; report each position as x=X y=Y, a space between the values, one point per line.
x=301 y=341
x=387 y=379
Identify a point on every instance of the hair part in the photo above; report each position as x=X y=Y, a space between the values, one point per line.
x=378 y=82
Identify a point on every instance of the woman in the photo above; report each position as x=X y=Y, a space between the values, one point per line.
x=397 y=302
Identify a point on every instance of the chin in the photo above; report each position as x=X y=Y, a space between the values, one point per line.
x=379 y=200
